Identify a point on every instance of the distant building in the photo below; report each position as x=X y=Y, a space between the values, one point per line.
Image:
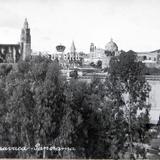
x=112 y=48
x=59 y=54
x=103 y=55
x=67 y=59
x=11 y=53
x=149 y=57
x=25 y=42
x=73 y=55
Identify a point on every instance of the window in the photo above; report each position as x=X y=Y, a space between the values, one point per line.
x=144 y=57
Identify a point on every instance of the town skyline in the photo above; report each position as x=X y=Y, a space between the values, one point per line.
x=133 y=24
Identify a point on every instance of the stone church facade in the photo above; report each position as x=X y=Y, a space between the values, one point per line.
x=12 y=53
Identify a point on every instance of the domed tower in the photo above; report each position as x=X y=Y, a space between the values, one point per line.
x=60 y=51
x=60 y=48
x=25 y=41
x=111 y=48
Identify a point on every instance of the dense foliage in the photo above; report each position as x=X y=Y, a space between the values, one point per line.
x=39 y=106
x=97 y=65
x=129 y=91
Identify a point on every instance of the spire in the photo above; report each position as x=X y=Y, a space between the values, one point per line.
x=73 y=48
x=25 y=23
x=111 y=39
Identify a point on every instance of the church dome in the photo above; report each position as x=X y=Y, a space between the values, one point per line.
x=111 y=46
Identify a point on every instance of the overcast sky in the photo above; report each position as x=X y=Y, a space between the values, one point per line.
x=133 y=24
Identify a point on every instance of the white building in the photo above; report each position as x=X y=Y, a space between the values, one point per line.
x=151 y=59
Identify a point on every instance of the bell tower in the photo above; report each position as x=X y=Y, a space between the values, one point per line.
x=25 y=41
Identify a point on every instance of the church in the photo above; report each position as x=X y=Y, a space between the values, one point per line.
x=66 y=59
x=12 y=53
x=103 y=55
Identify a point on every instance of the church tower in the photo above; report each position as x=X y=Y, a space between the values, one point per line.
x=73 y=54
x=25 y=41
x=92 y=51
x=73 y=48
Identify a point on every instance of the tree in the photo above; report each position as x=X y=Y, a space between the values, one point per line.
x=88 y=119
x=74 y=74
x=128 y=90
x=35 y=102
x=38 y=105
x=80 y=61
x=99 y=64
x=92 y=64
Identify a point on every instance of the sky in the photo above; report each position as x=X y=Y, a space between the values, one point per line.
x=132 y=24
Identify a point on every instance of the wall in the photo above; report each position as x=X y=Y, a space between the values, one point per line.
x=154 y=100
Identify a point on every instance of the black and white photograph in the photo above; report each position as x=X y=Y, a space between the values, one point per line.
x=80 y=79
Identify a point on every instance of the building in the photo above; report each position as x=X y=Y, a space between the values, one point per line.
x=12 y=53
x=151 y=59
x=103 y=55
x=25 y=42
x=73 y=55
x=111 y=48
x=67 y=59
x=59 y=54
